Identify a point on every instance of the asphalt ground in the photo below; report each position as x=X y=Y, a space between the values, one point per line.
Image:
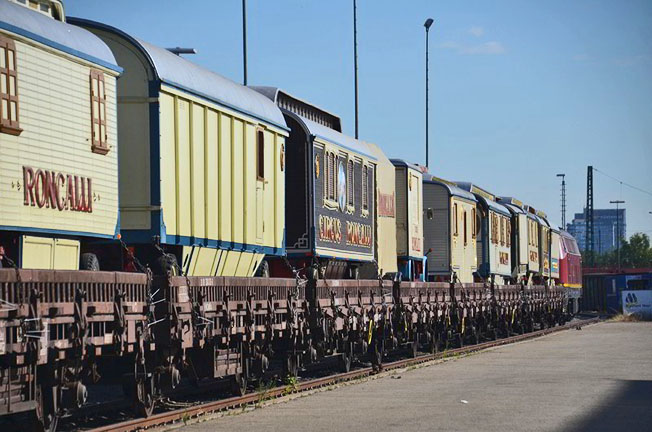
x=595 y=379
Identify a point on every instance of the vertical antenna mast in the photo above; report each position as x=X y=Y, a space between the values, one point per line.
x=563 y=200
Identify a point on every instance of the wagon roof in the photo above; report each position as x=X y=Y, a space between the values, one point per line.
x=401 y=162
x=332 y=135
x=485 y=197
x=64 y=37
x=185 y=75
x=452 y=189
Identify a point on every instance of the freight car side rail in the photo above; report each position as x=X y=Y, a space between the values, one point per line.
x=60 y=329
x=54 y=325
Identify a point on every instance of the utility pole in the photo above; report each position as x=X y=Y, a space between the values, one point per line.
x=244 y=39
x=427 y=25
x=355 y=63
x=589 y=214
x=617 y=202
x=563 y=200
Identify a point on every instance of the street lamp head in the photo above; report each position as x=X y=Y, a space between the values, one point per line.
x=428 y=23
x=561 y=175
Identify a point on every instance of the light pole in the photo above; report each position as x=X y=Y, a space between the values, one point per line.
x=563 y=199
x=427 y=25
x=617 y=202
x=244 y=40
x=355 y=62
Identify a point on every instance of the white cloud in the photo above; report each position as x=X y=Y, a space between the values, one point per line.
x=486 y=48
x=476 y=31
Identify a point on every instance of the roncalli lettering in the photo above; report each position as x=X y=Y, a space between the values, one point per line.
x=56 y=190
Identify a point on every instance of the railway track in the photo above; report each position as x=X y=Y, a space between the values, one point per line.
x=195 y=411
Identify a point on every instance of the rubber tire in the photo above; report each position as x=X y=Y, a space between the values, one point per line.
x=89 y=262
x=167 y=264
x=263 y=270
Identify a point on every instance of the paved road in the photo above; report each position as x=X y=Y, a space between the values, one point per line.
x=596 y=379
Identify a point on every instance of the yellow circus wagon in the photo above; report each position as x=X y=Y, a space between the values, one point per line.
x=409 y=220
x=202 y=179
x=58 y=139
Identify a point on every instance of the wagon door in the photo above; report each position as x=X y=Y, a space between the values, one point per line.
x=260 y=184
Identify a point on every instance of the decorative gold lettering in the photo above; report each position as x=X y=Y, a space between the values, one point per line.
x=28 y=180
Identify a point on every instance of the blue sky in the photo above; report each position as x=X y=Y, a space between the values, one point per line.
x=519 y=90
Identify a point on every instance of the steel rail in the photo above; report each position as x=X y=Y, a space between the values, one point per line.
x=253 y=398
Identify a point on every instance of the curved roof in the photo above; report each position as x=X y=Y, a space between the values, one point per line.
x=498 y=208
x=56 y=34
x=330 y=135
x=401 y=162
x=480 y=195
x=319 y=130
x=511 y=205
x=185 y=75
x=452 y=189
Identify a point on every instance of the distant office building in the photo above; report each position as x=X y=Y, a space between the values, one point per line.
x=605 y=226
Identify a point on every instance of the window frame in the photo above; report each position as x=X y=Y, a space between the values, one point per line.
x=101 y=145
x=350 y=184
x=365 y=188
x=9 y=126
x=260 y=161
x=455 y=220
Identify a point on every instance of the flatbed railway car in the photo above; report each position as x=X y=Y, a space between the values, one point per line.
x=450 y=231
x=409 y=220
x=330 y=208
x=494 y=242
x=203 y=181
x=58 y=140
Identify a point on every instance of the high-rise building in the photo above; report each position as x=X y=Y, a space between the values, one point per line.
x=606 y=222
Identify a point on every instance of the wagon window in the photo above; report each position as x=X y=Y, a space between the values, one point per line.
x=508 y=227
x=455 y=222
x=260 y=154
x=333 y=180
x=349 y=184
x=98 y=113
x=365 y=187
x=473 y=223
x=8 y=88
x=464 y=228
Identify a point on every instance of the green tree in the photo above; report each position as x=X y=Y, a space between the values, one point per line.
x=636 y=253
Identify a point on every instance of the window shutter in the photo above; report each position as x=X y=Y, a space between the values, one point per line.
x=9 y=108
x=99 y=133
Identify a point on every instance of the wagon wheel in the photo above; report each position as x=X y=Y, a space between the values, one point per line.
x=291 y=365
x=45 y=421
x=238 y=384
x=459 y=341
x=143 y=399
x=346 y=358
x=414 y=348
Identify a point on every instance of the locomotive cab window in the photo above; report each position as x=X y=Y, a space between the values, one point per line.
x=260 y=154
x=98 y=113
x=9 y=112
